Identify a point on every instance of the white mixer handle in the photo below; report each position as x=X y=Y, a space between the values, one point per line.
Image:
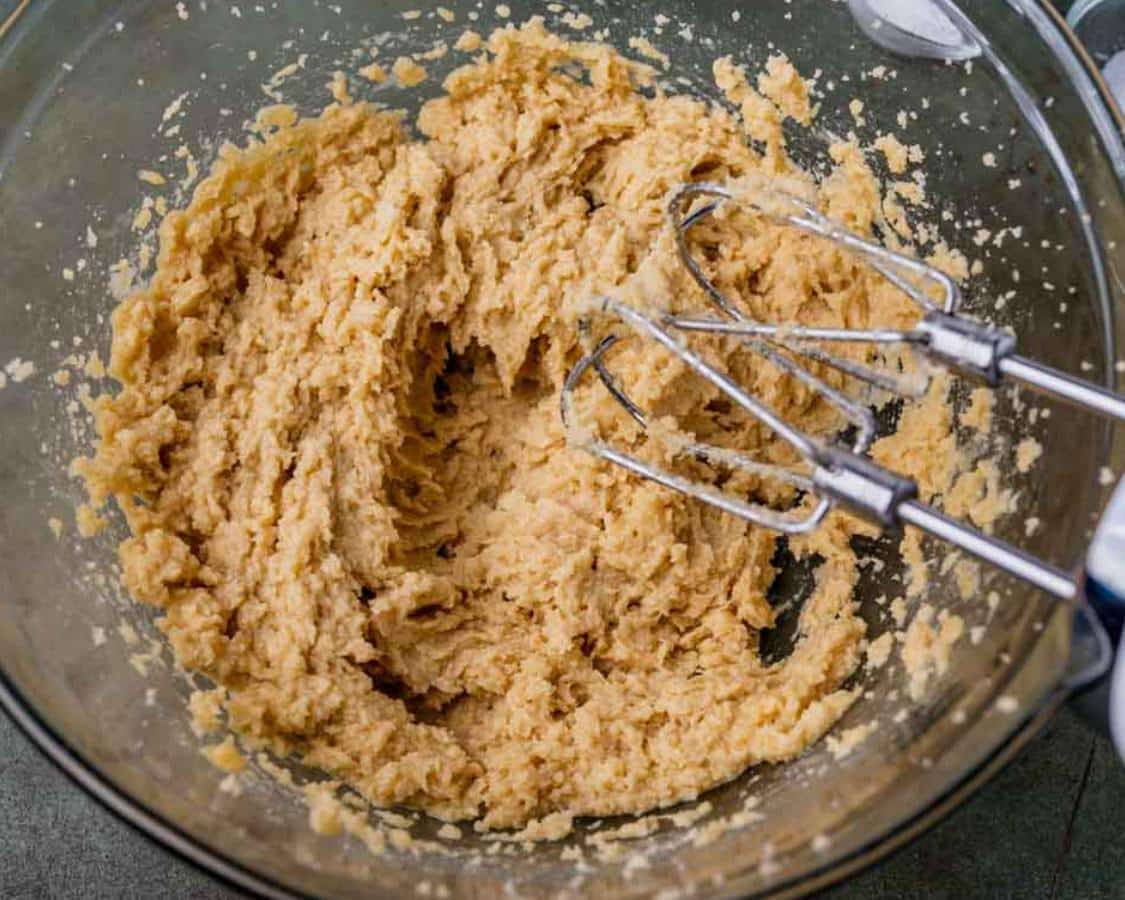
x=1105 y=589
x=1117 y=703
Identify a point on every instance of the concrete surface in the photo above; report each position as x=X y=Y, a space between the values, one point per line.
x=1051 y=826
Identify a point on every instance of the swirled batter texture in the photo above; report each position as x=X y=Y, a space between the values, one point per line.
x=338 y=447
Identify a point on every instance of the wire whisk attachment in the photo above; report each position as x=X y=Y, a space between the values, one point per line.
x=831 y=472
x=943 y=335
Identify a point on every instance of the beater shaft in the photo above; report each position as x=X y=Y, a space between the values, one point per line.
x=967 y=347
x=1073 y=390
x=1004 y=556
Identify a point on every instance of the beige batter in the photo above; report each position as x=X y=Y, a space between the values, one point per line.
x=338 y=445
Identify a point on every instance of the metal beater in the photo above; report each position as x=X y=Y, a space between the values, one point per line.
x=832 y=473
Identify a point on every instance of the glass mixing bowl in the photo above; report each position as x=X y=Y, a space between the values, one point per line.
x=91 y=91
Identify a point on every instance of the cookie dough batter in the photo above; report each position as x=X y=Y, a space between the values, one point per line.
x=338 y=447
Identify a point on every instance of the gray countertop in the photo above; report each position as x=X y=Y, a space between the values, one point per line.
x=1048 y=827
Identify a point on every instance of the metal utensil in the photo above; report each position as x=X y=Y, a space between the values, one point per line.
x=833 y=473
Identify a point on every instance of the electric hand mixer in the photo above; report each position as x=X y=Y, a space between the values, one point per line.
x=834 y=474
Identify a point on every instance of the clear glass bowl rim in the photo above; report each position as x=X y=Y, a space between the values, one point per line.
x=1101 y=108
